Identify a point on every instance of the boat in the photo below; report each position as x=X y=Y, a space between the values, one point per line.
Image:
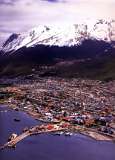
x=25 y=129
x=68 y=134
x=13 y=135
x=58 y=133
x=17 y=120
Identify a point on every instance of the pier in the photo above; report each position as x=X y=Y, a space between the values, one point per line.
x=32 y=131
x=41 y=129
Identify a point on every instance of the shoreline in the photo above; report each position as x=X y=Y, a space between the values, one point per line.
x=75 y=129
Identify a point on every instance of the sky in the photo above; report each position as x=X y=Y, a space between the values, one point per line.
x=21 y=15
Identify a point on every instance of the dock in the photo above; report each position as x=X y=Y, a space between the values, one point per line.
x=42 y=129
x=33 y=131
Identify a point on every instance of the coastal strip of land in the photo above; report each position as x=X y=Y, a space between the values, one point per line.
x=49 y=128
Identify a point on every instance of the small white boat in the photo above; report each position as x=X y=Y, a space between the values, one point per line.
x=68 y=134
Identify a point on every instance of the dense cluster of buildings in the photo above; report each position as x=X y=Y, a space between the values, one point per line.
x=89 y=103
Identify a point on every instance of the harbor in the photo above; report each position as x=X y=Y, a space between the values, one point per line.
x=87 y=106
x=49 y=146
x=57 y=128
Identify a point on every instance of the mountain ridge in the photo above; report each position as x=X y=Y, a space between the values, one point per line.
x=62 y=35
x=67 y=51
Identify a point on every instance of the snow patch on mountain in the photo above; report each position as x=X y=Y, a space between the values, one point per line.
x=62 y=34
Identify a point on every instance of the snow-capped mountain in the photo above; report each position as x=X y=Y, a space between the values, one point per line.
x=62 y=35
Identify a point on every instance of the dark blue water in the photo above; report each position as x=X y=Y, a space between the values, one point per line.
x=49 y=147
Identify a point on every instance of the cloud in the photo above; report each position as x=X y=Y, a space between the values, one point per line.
x=21 y=15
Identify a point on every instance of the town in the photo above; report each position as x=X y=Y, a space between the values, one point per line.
x=78 y=105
